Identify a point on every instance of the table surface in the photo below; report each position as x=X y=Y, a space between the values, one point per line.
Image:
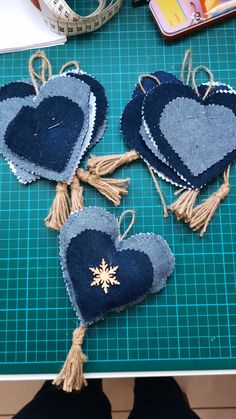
x=191 y=324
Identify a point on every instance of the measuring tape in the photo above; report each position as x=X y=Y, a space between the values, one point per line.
x=62 y=19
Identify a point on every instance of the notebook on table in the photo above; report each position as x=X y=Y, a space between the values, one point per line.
x=22 y=27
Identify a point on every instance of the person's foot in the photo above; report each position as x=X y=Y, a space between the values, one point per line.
x=53 y=403
x=160 y=398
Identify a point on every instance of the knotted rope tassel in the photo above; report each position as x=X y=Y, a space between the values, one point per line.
x=202 y=214
x=105 y=165
x=112 y=189
x=71 y=376
x=108 y=164
x=183 y=206
x=59 y=211
x=77 y=201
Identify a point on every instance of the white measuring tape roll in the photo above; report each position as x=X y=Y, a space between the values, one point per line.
x=62 y=19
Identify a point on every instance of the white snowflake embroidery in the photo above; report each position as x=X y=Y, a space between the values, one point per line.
x=105 y=276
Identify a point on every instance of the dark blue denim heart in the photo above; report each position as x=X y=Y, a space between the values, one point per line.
x=163 y=127
x=35 y=134
x=8 y=98
x=19 y=88
x=131 y=121
x=101 y=104
x=134 y=274
x=58 y=117
x=130 y=126
x=90 y=246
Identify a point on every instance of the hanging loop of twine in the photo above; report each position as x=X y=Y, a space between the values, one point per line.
x=70 y=64
x=77 y=201
x=124 y=213
x=149 y=76
x=187 y=58
x=45 y=66
x=211 y=79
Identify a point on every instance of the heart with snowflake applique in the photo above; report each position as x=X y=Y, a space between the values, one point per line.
x=103 y=272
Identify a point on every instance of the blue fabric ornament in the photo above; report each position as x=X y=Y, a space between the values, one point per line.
x=47 y=127
x=103 y=273
x=180 y=136
x=131 y=122
x=188 y=130
x=193 y=130
x=20 y=89
x=101 y=103
x=49 y=133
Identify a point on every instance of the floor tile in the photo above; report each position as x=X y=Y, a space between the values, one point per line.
x=119 y=415
x=216 y=413
x=210 y=391
x=15 y=394
x=119 y=392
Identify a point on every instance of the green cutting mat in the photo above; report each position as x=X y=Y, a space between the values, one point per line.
x=191 y=324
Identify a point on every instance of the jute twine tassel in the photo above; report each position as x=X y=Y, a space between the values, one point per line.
x=183 y=206
x=202 y=214
x=112 y=189
x=59 y=211
x=77 y=201
x=71 y=376
x=105 y=165
x=108 y=164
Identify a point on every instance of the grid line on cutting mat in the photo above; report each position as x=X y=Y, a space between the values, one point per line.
x=191 y=324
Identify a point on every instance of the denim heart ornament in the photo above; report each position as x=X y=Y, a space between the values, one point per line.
x=101 y=103
x=103 y=272
x=100 y=122
x=20 y=89
x=46 y=128
x=188 y=130
x=50 y=132
x=131 y=124
x=193 y=130
x=91 y=235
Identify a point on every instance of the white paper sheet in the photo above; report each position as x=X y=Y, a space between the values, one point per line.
x=22 y=27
